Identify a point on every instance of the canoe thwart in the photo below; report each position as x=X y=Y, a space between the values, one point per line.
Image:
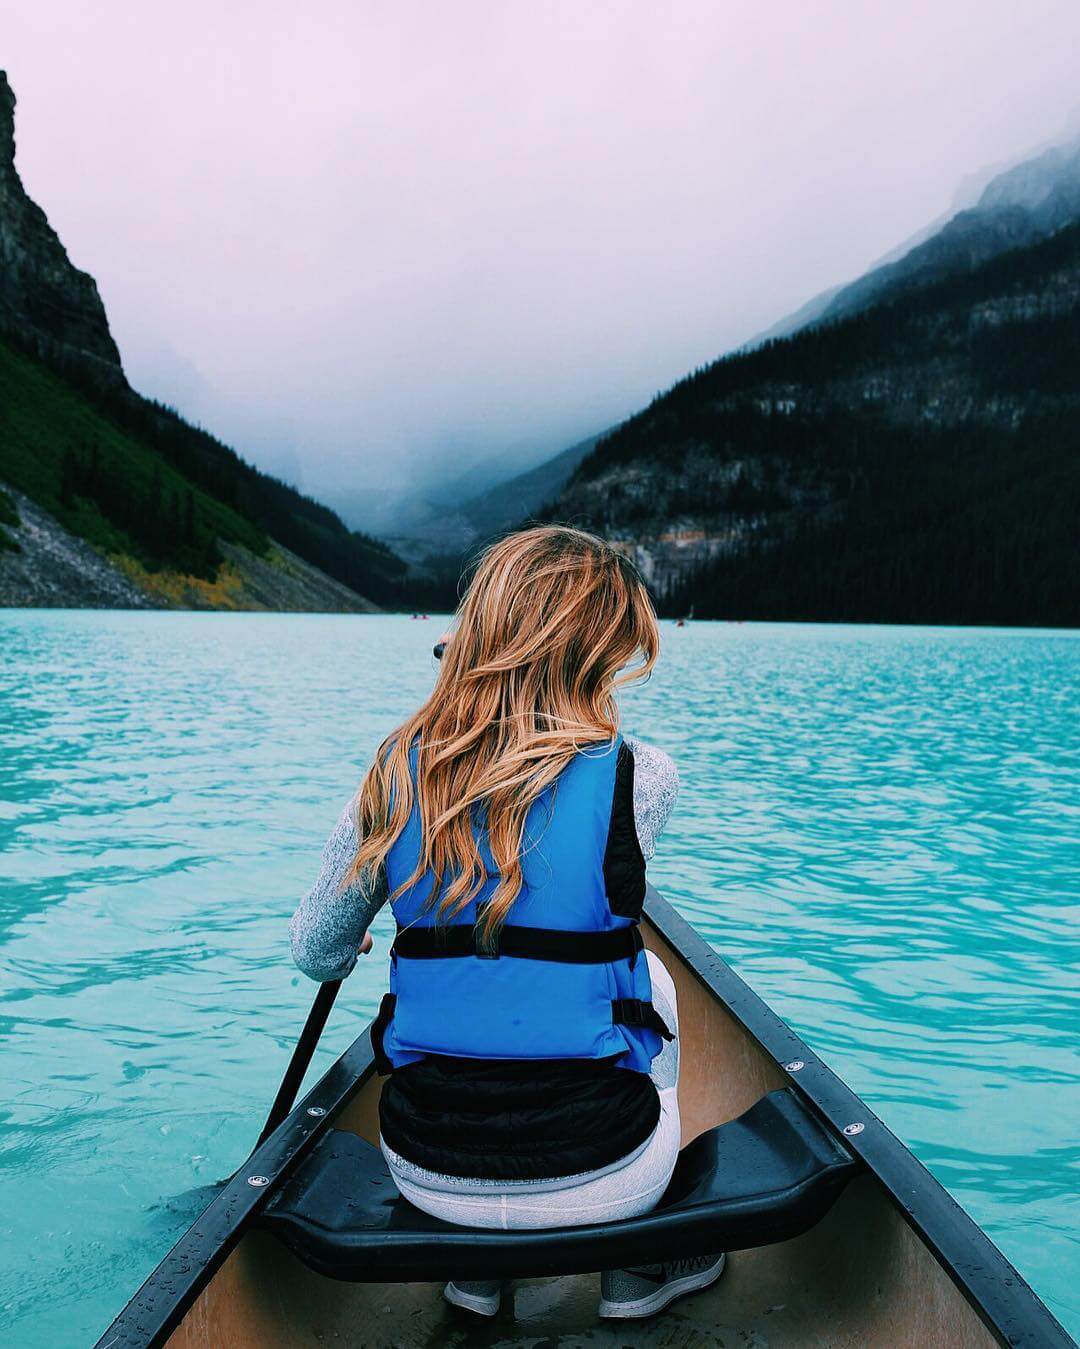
x=763 y=1178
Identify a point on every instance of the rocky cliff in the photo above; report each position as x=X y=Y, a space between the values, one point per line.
x=46 y=303
x=45 y=566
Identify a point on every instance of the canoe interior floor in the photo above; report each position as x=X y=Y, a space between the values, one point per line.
x=562 y=1312
x=859 y=1280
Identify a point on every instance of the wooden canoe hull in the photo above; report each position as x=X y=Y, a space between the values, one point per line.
x=896 y=1263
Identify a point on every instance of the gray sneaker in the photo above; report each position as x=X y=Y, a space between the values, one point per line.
x=481 y=1297
x=650 y=1288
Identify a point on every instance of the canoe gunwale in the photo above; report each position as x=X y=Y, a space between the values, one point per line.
x=1005 y=1303
x=163 y=1300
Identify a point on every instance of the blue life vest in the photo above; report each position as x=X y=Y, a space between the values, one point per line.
x=567 y=981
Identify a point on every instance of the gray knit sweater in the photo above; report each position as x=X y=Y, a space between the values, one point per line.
x=333 y=917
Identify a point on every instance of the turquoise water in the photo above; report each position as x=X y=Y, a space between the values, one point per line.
x=878 y=828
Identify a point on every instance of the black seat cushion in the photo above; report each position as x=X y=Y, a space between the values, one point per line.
x=762 y=1178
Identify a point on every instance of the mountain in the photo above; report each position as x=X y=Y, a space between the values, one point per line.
x=125 y=502
x=915 y=461
x=1023 y=203
x=995 y=211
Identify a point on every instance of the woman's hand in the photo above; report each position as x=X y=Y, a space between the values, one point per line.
x=366 y=945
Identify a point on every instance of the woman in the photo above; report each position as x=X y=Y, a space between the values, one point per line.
x=531 y=1043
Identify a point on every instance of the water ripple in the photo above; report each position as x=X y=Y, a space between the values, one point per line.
x=878 y=828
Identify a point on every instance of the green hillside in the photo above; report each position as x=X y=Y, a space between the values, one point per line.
x=138 y=482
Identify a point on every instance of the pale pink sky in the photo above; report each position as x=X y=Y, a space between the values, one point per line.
x=354 y=238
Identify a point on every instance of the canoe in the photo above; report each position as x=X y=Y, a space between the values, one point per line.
x=840 y=1236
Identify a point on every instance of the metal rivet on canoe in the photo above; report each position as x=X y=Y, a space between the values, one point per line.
x=317 y=1110
x=794 y=1066
x=258 y=1181
x=852 y=1129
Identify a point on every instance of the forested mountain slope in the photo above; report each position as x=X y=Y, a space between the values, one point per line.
x=918 y=462
x=168 y=504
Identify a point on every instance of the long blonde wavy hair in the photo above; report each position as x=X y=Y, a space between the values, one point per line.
x=552 y=622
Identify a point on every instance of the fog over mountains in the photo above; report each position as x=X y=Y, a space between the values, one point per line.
x=911 y=453
x=1019 y=205
x=907 y=450
x=1009 y=209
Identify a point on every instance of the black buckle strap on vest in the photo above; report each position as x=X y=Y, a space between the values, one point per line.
x=634 y=1012
x=383 y=1066
x=441 y=941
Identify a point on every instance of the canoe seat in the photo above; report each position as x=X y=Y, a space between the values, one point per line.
x=762 y=1178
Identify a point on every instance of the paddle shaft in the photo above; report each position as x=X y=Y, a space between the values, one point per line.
x=298 y=1064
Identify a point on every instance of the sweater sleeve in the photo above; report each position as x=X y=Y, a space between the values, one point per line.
x=332 y=918
x=656 y=789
